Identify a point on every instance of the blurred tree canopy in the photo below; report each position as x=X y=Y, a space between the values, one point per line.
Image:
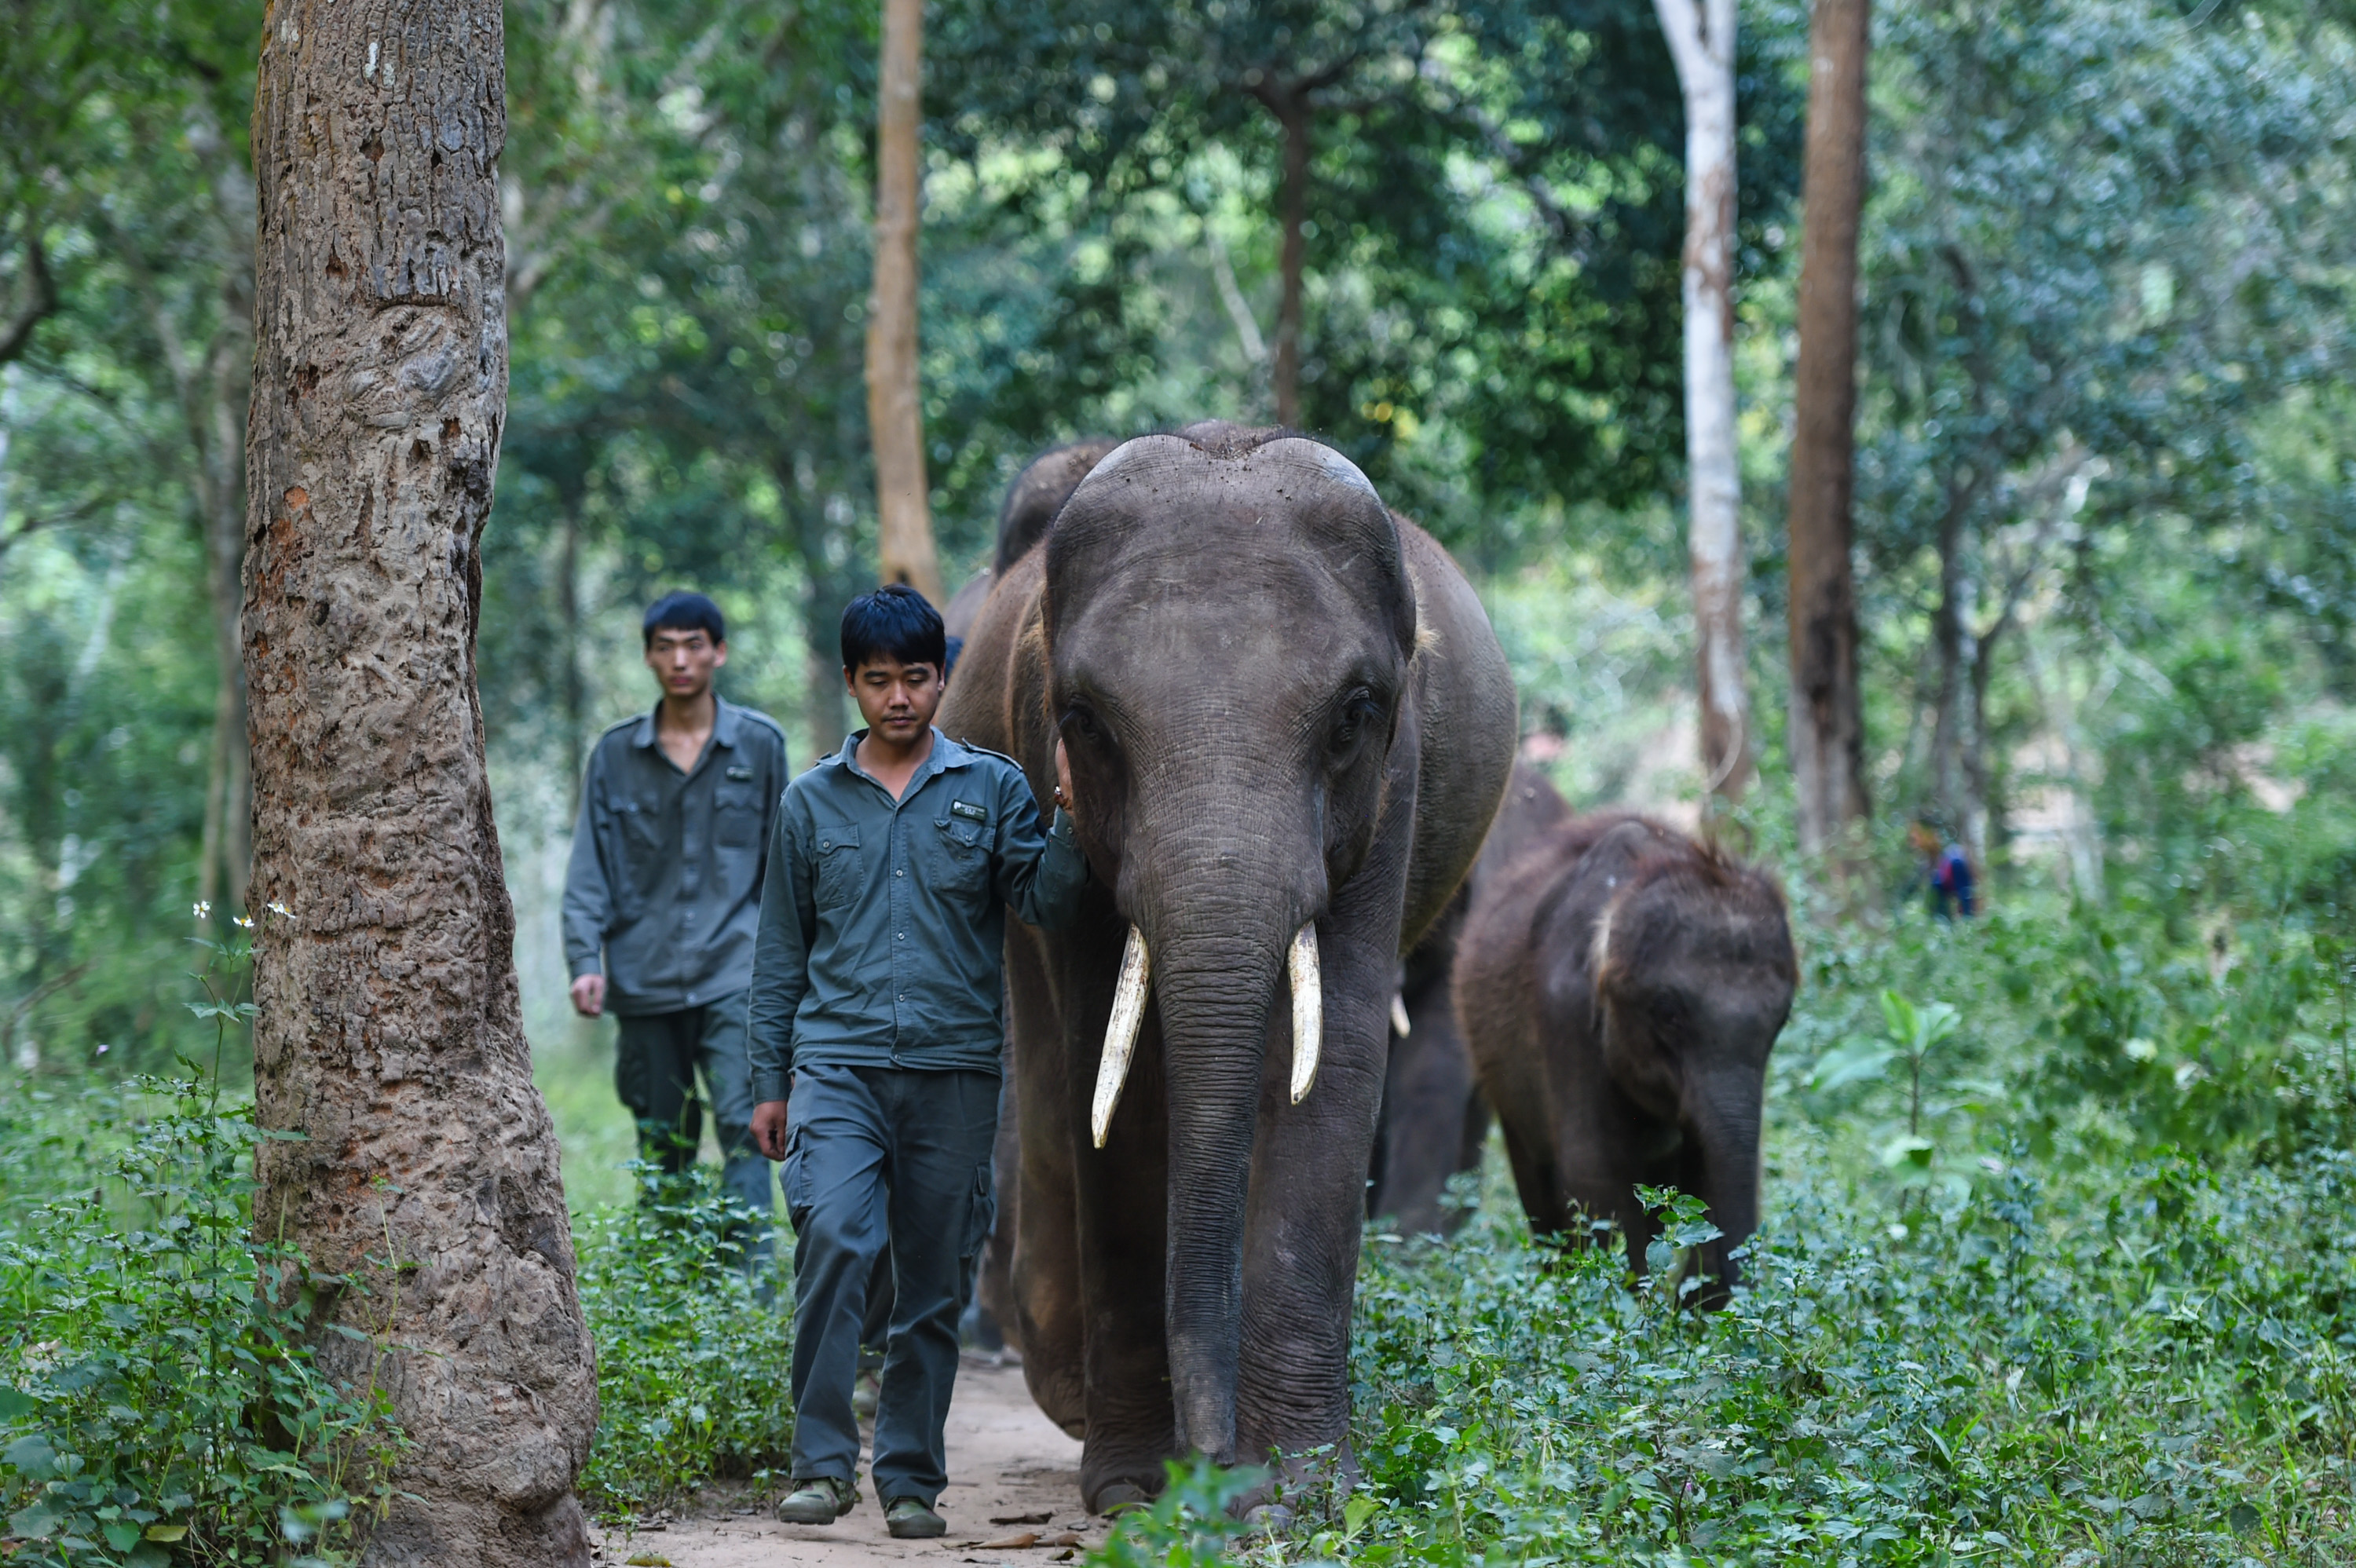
x=2106 y=489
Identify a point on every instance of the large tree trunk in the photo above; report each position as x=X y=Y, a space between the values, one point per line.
x=894 y=419
x=424 y=1167
x=1827 y=721
x=1701 y=40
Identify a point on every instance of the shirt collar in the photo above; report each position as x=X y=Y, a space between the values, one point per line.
x=946 y=754
x=724 y=724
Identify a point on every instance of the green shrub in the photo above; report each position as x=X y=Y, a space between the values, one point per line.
x=157 y=1400
x=692 y=1363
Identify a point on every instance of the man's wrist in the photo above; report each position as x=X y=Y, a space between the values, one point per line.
x=1060 y=827
x=583 y=968
x=769 y=1085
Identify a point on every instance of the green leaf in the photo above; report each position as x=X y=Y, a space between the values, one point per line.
x=1908 y=1149
x=33 y=1455
x=33 y=1523
x=1899 y=1014
x=1856 y=1059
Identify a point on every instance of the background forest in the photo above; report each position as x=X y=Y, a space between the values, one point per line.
x=2107 y=574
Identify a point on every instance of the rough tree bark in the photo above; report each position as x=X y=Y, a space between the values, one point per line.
x=1827 y=720
x=894 y=419
x=388 y=1036
x=1701 y=41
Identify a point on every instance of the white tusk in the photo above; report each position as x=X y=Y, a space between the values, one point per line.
x=1308 y=1011
x=1120 y=1033
x=1399 y=1025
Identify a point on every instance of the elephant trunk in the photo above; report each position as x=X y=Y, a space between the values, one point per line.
x=1215 y=996
x=1725 y=1114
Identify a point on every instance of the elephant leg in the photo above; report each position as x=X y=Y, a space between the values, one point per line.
x=1425 y=1112
x=1303 y=1222
x=1534 y=1178
x=1130 y=1424
x=1044 y=1314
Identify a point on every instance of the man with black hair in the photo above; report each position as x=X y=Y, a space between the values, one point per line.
x=662 y=899
x=876 y=1032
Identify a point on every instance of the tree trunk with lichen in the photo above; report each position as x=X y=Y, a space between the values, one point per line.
x=1700 y=35
x=423 y=1166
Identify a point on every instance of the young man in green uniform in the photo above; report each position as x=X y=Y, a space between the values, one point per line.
x=662 y=899
x=875 y=1043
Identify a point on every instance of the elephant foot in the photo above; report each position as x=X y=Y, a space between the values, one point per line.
x=1266 y=1519
x=1117 y=1498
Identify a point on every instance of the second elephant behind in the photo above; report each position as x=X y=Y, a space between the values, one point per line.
x=1621 y=987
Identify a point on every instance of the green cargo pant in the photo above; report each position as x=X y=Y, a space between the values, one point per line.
x=654 y=1073
x=879 y=1157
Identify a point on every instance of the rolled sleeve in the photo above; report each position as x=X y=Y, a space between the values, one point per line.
x=1040 y=874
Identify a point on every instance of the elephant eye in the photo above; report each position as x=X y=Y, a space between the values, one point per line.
x=1359 y=709
x=1084 y=722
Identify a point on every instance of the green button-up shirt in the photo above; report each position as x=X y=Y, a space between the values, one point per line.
x=664 y=888
x=884 y=921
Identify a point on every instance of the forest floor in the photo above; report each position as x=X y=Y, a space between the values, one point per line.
x=1013 y=1499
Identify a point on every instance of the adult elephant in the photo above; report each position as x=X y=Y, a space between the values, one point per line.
x=1289 y=726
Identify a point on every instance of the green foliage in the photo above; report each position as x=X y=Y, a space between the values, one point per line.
x=2132 y=1368
x=691 y=1362
x=1191 y=1524
x=157 y=1397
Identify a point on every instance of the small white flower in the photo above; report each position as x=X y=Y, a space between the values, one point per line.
x=204 y=909
x=104 y=1048
x=245 y=921
x=282 y=911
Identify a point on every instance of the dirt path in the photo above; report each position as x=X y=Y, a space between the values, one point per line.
x=1007 y=1462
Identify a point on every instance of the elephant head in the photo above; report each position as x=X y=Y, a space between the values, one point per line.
x=1229 y=625
x=1693 y=972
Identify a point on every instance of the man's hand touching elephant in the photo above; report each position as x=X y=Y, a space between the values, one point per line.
x=1064 y=796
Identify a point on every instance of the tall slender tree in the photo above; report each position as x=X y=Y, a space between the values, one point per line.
x=422 y=1166
x=895 y=415
x=1701 y=41
x=1827 y=734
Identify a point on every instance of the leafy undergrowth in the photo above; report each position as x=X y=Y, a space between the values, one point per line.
x=691 y=1362
x=2155 y=1369
x=157 y=1403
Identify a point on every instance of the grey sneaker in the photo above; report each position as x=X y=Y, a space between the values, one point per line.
x=821 y=1499
x=909 y=1519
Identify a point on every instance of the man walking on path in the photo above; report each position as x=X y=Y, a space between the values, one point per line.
x=876 y=1003
x=662 y=899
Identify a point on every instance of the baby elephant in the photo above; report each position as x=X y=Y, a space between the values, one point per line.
x=1619 y=987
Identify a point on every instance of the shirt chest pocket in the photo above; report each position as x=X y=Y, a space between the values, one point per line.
x=956 y=854
x=840 y=870
x=642 y=837
x=735 y=820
